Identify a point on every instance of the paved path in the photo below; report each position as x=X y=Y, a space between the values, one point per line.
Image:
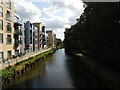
x=22 y=58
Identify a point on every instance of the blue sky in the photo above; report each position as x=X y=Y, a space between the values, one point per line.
x=56 y=15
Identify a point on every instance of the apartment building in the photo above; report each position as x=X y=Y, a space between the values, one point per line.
x=19 y=37
x=35 y=38
x=43 y=37
x=6 y=29
x=28 y=36
x=54 y=40
x=51 y=38
x=40 y=26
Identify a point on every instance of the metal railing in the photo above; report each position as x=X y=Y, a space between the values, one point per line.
x=11 y=62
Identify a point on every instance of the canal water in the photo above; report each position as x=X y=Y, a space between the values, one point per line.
x=58 y=71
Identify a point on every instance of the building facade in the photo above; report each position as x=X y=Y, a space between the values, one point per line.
x=28 y=36
x=19 y=37
x=51 y=37
x=6 y=29
x=40 y=34
x=54 y=40
x=35 y=38
x=43 y=36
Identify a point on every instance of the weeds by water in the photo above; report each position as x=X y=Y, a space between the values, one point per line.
x=8 y=73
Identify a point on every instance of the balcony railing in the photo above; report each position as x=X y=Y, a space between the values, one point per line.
x=20 y=42
x=18 y=32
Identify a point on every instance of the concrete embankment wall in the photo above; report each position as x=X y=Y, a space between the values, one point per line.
x=14 y=61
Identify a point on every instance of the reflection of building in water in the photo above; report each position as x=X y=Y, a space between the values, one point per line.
x=38 y=70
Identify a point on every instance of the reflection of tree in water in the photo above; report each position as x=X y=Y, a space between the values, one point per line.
x=81 y=76
x=37 y=70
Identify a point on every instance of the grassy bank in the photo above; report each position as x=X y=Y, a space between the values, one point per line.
x=12 y=72
x=96 y=69
x=98 y=72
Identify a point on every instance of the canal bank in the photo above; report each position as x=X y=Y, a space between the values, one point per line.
x=108 y=76
x=58 y=71
x=12 y=62
x=12 y=72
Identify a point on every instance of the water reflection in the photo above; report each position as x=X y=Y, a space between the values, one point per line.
x=57 y=71
x=81 y=76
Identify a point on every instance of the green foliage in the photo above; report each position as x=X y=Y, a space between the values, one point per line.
x=96 y=33
x=9 y=71
x=59 y=42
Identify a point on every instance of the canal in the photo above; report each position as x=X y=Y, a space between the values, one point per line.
x=58 y=71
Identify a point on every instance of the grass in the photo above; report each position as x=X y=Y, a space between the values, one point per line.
x=9 y=71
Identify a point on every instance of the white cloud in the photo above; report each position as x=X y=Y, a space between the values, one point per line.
x=62 y=15
x=27 y=10
x=59 y=15
x=60 y=33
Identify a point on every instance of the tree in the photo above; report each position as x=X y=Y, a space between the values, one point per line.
x=59 y=42
x=96 y=33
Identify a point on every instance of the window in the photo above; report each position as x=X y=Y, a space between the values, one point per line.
x=16 y=52
x=1 y=11
x=1 y=56
x=8 y=3
x=9 y=54
x=9 y=16
x=9 y=40
x=8 y=27
x=1 y=25
x=1 y=1
x=1 y=38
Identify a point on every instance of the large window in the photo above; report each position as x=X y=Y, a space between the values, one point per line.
x=1 y=11
x=1 y=38
x=9 y=16
x=9 y=40
x=8 y=3
x=9 y=54
x=8 y=27
x=1 y=56
x=1 y=24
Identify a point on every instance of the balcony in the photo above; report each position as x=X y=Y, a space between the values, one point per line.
x=16 y=44
x=18 y=32
x=20 y=42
